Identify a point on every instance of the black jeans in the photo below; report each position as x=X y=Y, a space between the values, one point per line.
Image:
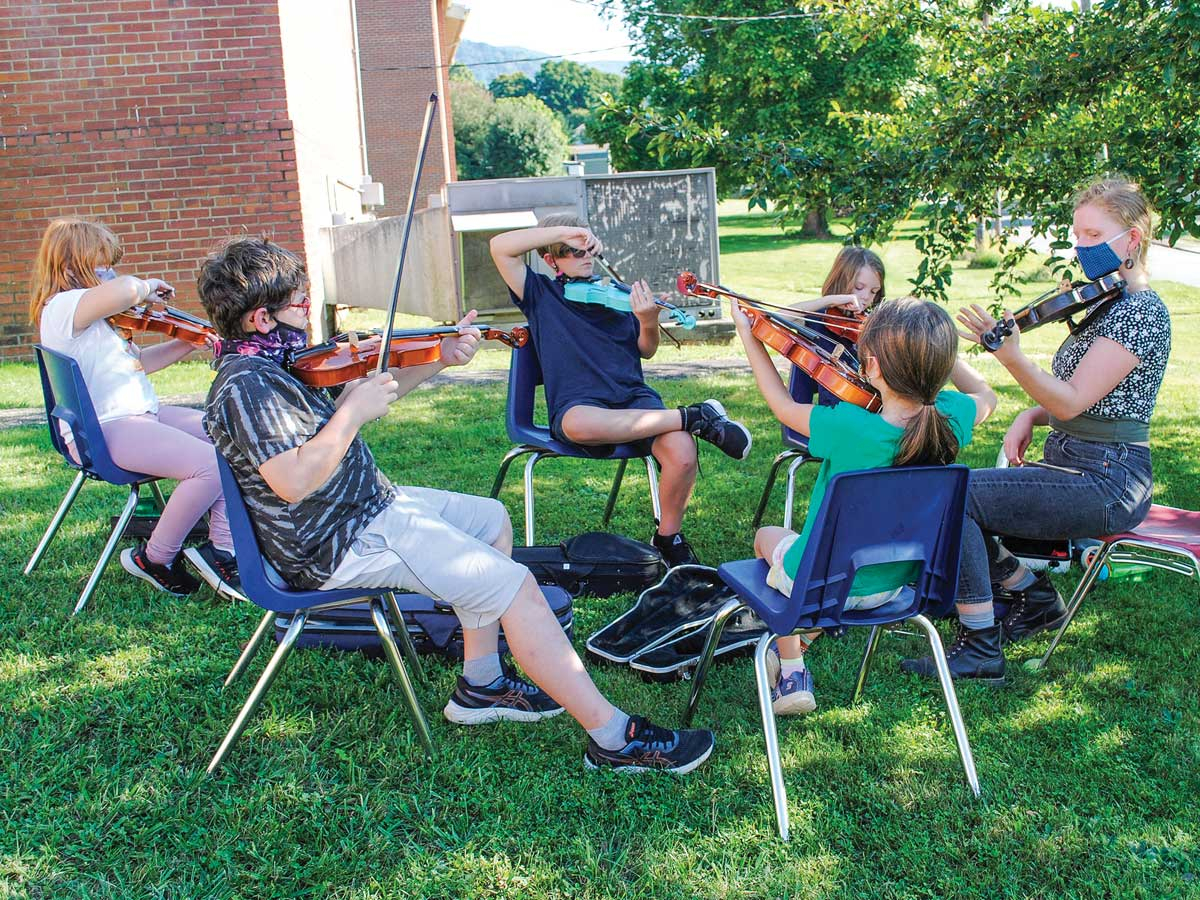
x=1112 y=495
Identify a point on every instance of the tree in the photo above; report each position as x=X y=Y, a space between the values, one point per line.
x=511 y=84
x=564 y=86
x=525 y=139
x=474 y=110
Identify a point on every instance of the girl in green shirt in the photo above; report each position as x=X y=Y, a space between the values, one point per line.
x=908 y=351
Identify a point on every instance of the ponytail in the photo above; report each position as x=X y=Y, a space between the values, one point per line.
x=928 y=440
x=916 y=344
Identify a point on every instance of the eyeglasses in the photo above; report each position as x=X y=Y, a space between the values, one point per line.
x=304 y=304
x=575 y=252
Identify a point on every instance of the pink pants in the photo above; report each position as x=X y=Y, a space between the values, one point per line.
x=172 y=444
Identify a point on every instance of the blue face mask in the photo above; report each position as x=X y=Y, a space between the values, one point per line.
x=105 y=273
x=1098 y=260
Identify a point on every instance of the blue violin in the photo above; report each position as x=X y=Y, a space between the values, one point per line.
x=615 y=294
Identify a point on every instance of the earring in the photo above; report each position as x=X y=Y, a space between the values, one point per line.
x=1129 y=262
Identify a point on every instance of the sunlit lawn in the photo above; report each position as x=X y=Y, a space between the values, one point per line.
x=1090 y=771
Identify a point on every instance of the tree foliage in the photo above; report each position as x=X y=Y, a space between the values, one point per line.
x=507 y=138
x=1006 y=100
x=511 y=84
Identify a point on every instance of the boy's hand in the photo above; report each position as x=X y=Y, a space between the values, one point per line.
x=369 y=398
x=459 y=349
x=641 y=301
x=581 y=239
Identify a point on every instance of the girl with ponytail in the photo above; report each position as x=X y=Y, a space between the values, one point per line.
x=908 y=350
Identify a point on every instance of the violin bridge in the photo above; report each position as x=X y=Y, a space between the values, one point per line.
x=352 y=339
x=838 y=350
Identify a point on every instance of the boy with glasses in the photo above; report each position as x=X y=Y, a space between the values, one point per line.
x=591 y=358
x=327 y=518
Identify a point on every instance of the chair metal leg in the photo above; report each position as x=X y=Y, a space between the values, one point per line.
x=533 y=461
x=278 y=658
x=397 y=664
x=512 y=454
x=710 y=647
x=251 y=648
x=864 y=667
x=616 y=489
x=401 y=629
x=1081 y=591
x=947 y=681
x=774 y=763
x=156 y=490
x=52 y=528
x=652 y=477
x=780 y=459
x=109 y=548
x=789 y=497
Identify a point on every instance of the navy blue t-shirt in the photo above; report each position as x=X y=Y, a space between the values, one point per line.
x=589 y=353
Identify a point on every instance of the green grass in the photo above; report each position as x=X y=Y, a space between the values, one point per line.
x=1090 y=771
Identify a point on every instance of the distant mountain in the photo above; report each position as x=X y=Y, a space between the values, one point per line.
x=501 y=60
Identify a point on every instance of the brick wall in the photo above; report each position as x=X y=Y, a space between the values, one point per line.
x=404 y=58
x=165 y=119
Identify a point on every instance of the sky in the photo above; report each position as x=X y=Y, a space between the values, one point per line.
x=548 y=26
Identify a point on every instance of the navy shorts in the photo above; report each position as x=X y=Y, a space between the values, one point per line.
x=645 y=398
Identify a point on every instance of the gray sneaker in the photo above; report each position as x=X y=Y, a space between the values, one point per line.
x=710 y=423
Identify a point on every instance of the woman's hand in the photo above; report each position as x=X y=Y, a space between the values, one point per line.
x=977 y=321
x=1018 y=438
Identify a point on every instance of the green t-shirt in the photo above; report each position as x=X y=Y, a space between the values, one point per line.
x=847 y=438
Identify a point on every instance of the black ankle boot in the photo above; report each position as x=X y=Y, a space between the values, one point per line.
x=975 y=653
x=1037 y=608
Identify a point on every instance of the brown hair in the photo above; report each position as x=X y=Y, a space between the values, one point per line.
x=69 y=254
x=1121 y=198
x=840 y=279
x=243 y=275
x=916 y=346
x=559 y=220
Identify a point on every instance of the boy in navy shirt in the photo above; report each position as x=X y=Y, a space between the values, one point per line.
x=591 y=358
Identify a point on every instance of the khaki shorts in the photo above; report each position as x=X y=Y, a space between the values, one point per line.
x=436 y=543
x=779 y=579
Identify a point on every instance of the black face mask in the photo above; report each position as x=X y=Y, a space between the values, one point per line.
x=279 y=344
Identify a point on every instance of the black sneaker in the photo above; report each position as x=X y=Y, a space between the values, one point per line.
x=508 y=697
x=675 y=550
x=649 y=748
x=708 y=422
x=217 y=567
x=975 y=654
x=173 y=579
x=1036 y=609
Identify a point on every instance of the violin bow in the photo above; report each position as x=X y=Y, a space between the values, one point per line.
x=426 y=128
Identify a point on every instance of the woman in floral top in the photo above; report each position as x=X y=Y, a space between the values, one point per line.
x=1097 y=400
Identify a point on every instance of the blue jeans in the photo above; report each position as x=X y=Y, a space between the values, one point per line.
x=1111 y=495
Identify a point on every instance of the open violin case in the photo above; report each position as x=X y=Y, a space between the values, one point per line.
x=432 y=626
x=662 y=635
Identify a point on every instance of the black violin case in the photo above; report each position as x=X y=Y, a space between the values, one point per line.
x=595 y=563
x=662 y=635
x=432 y=626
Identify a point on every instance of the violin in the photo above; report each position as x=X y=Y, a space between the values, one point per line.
x=346 y=357
x=1059 y=305
x=166 y=320
x=797 y=343
x=616 y=295
x=844 y=322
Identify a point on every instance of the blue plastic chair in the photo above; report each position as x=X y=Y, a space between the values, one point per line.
x=853 y=529
x=264 y=587
x=68 y=402
x=803 y=390
x=524 y=378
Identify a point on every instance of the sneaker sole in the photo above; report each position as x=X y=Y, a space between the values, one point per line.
x=720 y=407
x=990 y=680
x=211 y=578
x=132 y=568
x=465 y=715
x=797 y=704
x=638 y=770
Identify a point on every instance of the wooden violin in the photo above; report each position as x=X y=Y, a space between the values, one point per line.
x=617 y=295
x=1057 y=306
x=158 y=318
x=797 y=343
x=346 y=357
x=844 y=322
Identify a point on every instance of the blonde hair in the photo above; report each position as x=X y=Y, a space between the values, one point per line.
x=840 y=279
x=1121 y=198
x=559 y=220
x=69 y=254
x=916 y=346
